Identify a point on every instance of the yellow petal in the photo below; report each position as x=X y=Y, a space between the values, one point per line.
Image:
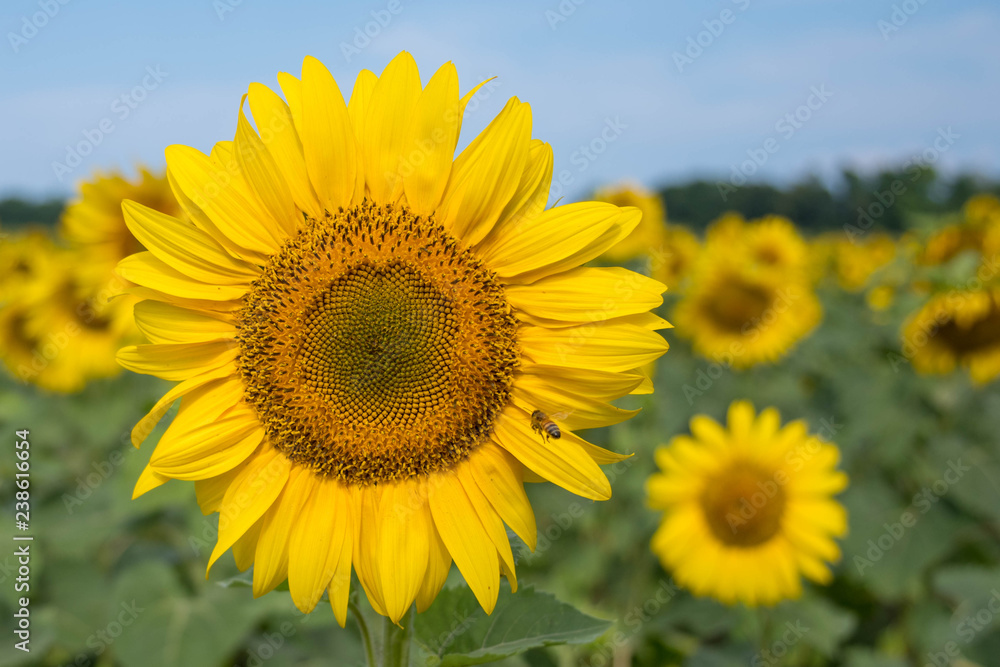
x=490 y=520
x=572 y=231
x=267 y=183
x=486 y=175
x=210 y=185
x=566 y=410
x=531 y=195
x=587 y=294
x=146 y=425
x=361 y=95
x=211 y=491
x=499 y=476
x=148 y=480
x=145 y=269
x=403 y=546
x=177 y=362
x=438 y=565
x=246 y=547
x=430 y=147
x=185 y=247
x=366 y=553
x=598 y=346
x=599 y=385
x=327 y=137
x=387 y=127
x=165 y=323
x=317 y=544
x=210 y=449
x=339 y=590
x=563 y=463
x=277 y=131
x=271 y=558
x=248 y=497
x=466 y=539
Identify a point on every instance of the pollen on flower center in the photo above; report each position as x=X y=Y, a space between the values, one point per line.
x=743 y=505
x=374 y=348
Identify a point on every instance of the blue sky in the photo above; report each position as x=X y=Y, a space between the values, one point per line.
x=883 y=77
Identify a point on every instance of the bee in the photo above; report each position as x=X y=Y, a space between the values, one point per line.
x=546 y=427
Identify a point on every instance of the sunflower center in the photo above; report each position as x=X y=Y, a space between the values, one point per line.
x=743 y=505
x=375 y=349
x=736 y=306
x=982 y=335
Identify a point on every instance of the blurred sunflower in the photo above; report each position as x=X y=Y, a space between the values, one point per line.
x=671 y=262
x=648 y=234
x=727 y=228
x=855 y=262
x=735 y=312
x=41 y=323
x=775 y=243
x=94 y=225
x=956 y=329
x=362 y=325
x=748 y=507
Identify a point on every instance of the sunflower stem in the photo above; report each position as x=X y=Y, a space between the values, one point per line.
x=366 y=637
x=396 y=641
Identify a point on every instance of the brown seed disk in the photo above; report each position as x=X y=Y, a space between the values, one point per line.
x=376 y=349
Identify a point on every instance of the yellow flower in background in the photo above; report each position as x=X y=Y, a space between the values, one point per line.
x=957 y=329
x=94 y=225
x=648 y=234
x=982 y=210
x=879 y=298
x=51 y=334
x=362 y=325
x=671 y=262
x=855 y=262
x=748 y=507
x=725 y=229
x=775 y=243
x=740 y=315
x=978 y=231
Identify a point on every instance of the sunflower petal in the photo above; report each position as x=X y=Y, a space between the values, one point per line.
x=430 y=147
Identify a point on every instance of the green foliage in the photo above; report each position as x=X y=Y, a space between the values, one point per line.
x=456 y=631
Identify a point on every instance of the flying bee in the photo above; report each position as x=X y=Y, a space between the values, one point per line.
x=546 y=427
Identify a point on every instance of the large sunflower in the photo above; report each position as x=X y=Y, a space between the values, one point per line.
x=741 y=314
x=956 y=329
x=362 y=327
x=748 y=507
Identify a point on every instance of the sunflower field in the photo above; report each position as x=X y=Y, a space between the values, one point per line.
x=337 y=392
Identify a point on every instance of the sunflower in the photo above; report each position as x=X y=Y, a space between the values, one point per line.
x=671 y=262
x=362 y=326
x=956 y=329
x=727 y=228
x=94 y=225
x=649 y=233
x=775 y=243
x=737 y=313
x=748 y=507
x=855 y=262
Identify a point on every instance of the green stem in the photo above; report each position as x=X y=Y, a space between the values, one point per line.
x=396 y=641
x=366 y=637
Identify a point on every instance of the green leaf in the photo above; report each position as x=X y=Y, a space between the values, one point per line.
x=813 y=620
x=456 y=631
